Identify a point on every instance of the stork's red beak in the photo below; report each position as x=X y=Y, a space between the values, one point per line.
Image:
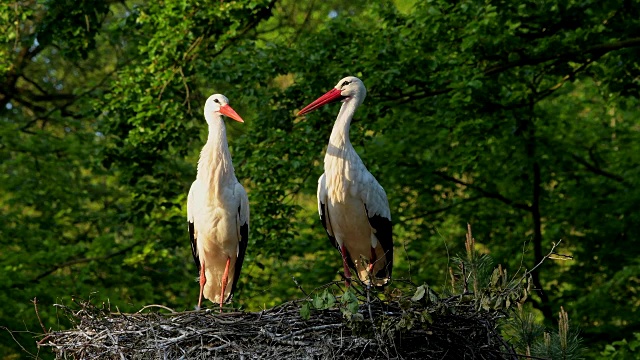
x=331 y=96
x=228 y=111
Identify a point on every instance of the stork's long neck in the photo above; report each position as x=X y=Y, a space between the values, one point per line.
x=340 y=134
x=341 y=158
x=215 y=167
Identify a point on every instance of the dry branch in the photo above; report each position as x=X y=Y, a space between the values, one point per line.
x=450 y=330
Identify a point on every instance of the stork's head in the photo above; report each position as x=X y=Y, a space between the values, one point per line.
x=217 y=105
x=348 y=89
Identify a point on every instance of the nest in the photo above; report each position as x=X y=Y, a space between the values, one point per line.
x=377 y=330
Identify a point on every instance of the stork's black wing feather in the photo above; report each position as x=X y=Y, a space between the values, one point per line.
x=194 y=245
x=383 y=228
x=324 y=219
x=242 y=249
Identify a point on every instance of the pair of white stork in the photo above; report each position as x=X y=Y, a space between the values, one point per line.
x=353 y=207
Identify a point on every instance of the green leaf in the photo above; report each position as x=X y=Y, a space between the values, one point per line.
x=353 y=307
x=305 y=311
x=425 y=316
x=495 y=277
x=419 y=294
x=317 y=302
x=475 y=83
x=331 y=300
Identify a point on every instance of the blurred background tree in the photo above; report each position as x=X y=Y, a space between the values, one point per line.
x=518 y=117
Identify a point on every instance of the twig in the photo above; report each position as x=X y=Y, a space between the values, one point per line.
x=78 y=261
x=299 y=286
x=187 y=99
x=218 y=348
x=369 y=306
x=35 y=306
x=16 y=340
x=156 y=306
x=404 y=246
x=43 y=339
x=115 y=342
x=524 y=250
x=314 y=328
x=164 y=85
x=553 y=247
x=97 y=333
x=192 y=46
x=283 y=339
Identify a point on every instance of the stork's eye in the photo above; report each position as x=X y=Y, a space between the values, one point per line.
x=216 y=100
x=345 y=83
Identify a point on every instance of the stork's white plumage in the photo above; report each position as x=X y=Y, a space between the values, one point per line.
x=353 y=207
x=217 y=210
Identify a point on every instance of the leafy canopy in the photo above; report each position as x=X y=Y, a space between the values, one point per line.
x=517 y=117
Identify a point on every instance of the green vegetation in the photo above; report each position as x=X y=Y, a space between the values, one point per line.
x=622 y=349
x=520 y=118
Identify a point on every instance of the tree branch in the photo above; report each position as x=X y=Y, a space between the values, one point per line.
x=62 y=108
x=421 y=95
x=440 y=210
x=37 y=86
x=543 y=94
x=78 y=261
x=596 y=50
x=307 y=16
x=596 y=170
x=484 y=192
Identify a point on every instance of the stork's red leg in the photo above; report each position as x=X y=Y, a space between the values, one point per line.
x=225 y=278
x=203 y=280
x=347 y=272
x=372 y=260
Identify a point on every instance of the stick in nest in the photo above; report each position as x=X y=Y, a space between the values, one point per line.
x=279 y=332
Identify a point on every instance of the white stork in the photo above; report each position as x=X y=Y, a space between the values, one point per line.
x=353 y=207
x=217 y=210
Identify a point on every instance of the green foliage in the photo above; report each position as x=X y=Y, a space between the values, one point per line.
x=473 y=296
x=523 y=330
x=518 y=117
x=71 y=25
x=348 y=304
x=622 y=349
x=531 y=339
x=565 y=344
